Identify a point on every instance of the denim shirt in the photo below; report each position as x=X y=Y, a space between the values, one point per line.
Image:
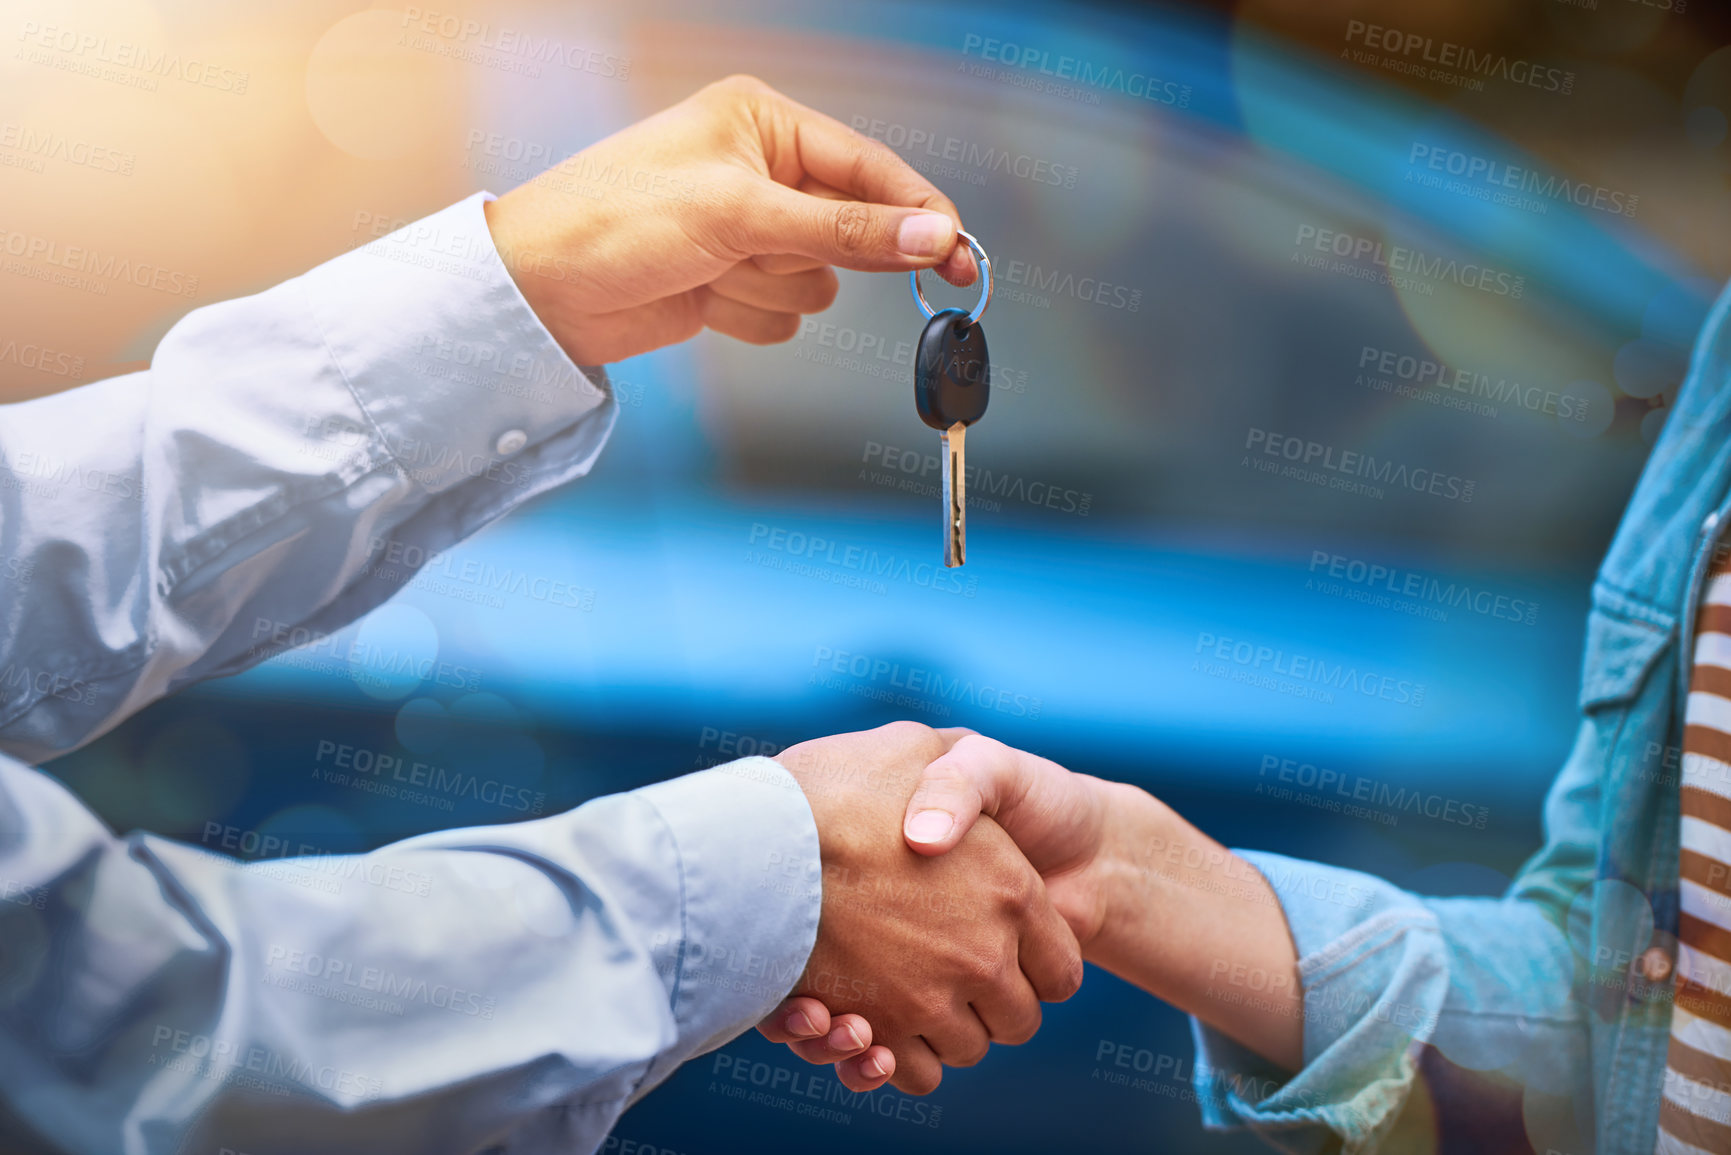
x=1545 y=986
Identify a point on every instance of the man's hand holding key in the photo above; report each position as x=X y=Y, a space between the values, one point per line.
x=734 y=204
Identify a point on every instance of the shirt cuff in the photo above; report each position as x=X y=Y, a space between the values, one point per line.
x=752 y=892
x=1374 y=973
x=456 y=373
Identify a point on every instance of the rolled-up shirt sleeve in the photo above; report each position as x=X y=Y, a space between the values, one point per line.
x=1490 y=983
x=245 y=493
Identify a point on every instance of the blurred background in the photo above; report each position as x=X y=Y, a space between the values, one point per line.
x=1471 y=241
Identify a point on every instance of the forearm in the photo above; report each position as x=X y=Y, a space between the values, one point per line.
x=1195 y=925
x=1314 y=987
x=286 y=464
x=451 y=991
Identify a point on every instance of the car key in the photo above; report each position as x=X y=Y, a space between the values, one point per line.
x=952 y=384
x=951 y=390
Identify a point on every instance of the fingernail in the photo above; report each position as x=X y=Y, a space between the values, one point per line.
x=873 y=1068
x=799 y=1024
x=930 y=825
x=850 y=1041
x=924 y=234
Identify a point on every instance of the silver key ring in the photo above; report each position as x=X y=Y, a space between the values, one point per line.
x=985 y=263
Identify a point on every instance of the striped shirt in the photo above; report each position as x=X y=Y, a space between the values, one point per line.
x=1695 y=1115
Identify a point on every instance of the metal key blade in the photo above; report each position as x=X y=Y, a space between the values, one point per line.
x=955 y=496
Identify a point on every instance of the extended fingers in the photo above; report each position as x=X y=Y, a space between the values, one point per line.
x=838 y=196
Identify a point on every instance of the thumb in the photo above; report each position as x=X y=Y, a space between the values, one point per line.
x=870 y=238
x=958 y=787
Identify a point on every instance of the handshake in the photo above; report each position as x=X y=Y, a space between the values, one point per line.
x=963 y=881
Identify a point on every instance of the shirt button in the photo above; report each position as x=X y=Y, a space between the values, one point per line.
x=510 y=442
x=1654 y=965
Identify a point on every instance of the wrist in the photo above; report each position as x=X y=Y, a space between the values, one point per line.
x=533 y=255
x=1137 y=826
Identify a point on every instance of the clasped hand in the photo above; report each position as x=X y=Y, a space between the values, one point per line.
x=928 y=949
x=938 y=934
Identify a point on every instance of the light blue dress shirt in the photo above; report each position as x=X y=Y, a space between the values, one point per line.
x=505 y=988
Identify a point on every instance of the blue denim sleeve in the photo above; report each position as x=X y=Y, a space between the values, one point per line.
x=1384 y=972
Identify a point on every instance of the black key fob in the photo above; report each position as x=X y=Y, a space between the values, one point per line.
x=951 y=371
